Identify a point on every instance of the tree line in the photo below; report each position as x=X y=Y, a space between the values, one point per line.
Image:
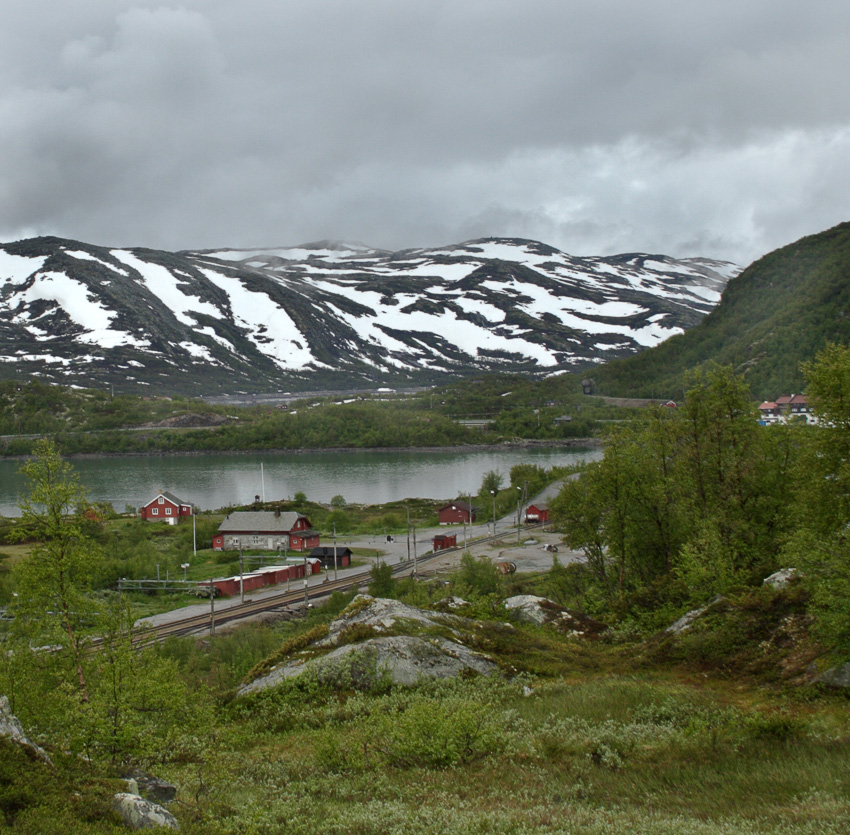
x=695 y=501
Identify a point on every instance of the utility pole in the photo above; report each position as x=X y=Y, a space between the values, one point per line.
x=407 y=508
x=462 y=518
x=241 y=578
x=335 y=576
x=493 y=492
x=212 y=608
x=415 y=574
x=517 y=516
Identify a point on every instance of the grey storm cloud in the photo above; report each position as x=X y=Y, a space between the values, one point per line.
x=689 y=128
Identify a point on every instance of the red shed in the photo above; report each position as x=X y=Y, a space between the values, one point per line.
x=165 y=507
x=537 y=512
x=227 y=586
x=444 y=540
x=456 y=513
x=251 y=582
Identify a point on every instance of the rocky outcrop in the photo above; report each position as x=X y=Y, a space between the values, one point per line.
x=688 y=618
x=11 y=728
x=400 y=660
x=545 y=612
x=379 y=614
x=836 y=676
x=138 y=813
x=361 y=657
x=780 y=579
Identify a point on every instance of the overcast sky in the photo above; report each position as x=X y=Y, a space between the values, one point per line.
x=687 y=127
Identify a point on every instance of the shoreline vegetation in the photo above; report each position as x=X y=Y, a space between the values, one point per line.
x=494 y=411
x=578 y=443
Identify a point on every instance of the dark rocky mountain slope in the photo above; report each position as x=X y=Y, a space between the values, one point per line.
x=329 y=315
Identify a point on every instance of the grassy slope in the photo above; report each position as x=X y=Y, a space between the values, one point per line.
x=777 y=313
x=647 y=737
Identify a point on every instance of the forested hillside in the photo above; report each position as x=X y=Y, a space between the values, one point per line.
x=779 y=312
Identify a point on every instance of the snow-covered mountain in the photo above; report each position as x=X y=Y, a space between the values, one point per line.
x=332 y=315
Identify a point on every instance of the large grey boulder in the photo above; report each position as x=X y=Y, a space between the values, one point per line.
x=382 y=615
x=362 y=654
x=153 y=788
x=11 y=728
x=545 y=612
x=398 y=659
x=138 y=813
x=836 y=676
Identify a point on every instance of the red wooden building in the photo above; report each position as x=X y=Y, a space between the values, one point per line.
x=165 y=507
x=456 y=513
x=537 y=512
x=444 y=540
x=265 y=531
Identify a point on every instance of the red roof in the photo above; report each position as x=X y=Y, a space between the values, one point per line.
x=799 y=398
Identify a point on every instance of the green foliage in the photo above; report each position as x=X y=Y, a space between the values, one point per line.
x=381 y=582
x=53 y=606
x=820 y=546
x=338 y=502
x=491 y=483
x=699 y=493
x=294 y=644
x=432 y=729
x=778 y=313
x=476 y=577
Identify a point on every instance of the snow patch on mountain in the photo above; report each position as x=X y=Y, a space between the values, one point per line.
x=262 y=318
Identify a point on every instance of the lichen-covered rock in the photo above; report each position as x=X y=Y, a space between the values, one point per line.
x=780 y=579
x=688 y=618
x=380 y=614
x=11 y=728
x=398 y=659
x=138 y=813
x=153 y=788
x=450 y=603
x=545 y=612
x=836 y=676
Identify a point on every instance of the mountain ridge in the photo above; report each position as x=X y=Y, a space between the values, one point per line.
x=775 y=315
x=331 y=313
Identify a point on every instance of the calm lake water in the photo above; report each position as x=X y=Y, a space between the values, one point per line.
x=214 y=481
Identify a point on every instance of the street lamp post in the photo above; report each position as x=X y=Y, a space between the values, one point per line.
x=335 y=552
x=493 y=492
x=517 y=514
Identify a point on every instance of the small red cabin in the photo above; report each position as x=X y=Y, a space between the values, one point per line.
x=444 y=540
x=165 y=507
x=456 y=513
x=537 y=512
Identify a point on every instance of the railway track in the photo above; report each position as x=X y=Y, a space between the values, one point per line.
x=209 y=620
